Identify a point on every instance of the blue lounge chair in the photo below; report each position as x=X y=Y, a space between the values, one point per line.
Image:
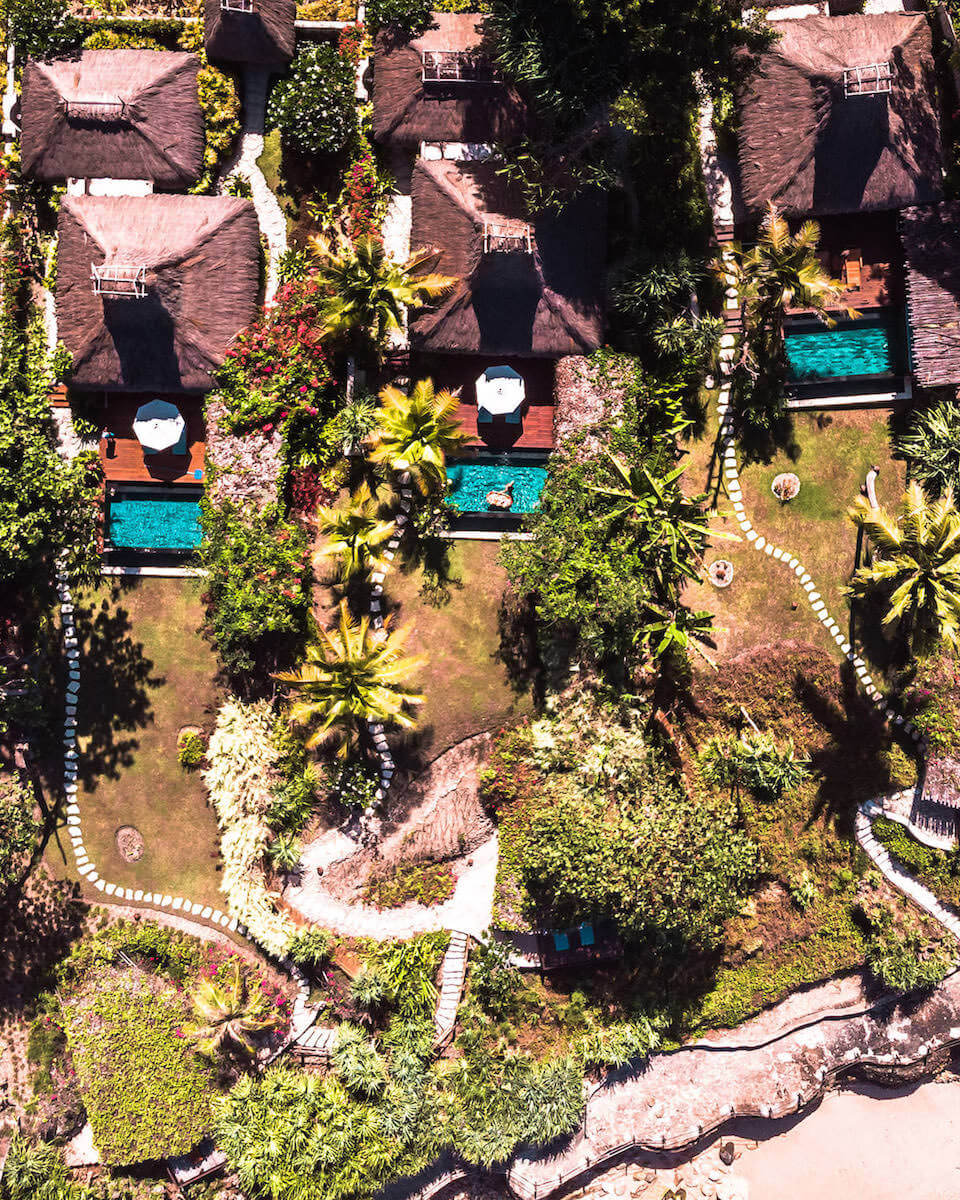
x=198 y=474
x=561 y=941
x=483 y=417
x=513 y=418
x=587 y=936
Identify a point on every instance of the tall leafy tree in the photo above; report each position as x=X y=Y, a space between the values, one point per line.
x=368 y=293
x=915 y=568
x=355 y=533
x=352 y=675
x=416 y=432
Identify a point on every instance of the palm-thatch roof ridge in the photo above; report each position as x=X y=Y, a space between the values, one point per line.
x=201 y=274
x=262 y=36
x=113 y=114
x=406 y=111
x=931 y=246
x=810 y=148
x=547 y=302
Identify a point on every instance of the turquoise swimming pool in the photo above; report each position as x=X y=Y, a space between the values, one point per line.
x=873 y=345
x=153 y=522
x=470 y=481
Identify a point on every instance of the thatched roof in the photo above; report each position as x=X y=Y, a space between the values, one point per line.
x=113 y=114
x=809 y=147
x=407 y=111
x=543 y=300
x=201 y=268
x=931 y=246
x=264 y=36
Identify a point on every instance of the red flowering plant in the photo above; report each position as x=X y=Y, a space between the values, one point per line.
x=351 y=43
x=278 y=367
x=364 y=197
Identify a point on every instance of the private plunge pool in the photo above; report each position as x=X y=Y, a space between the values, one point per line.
x=470 y=480
x=874 y=344
x=153 y=519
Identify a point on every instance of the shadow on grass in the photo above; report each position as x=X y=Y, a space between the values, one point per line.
x=116 y=679
x=39 y=924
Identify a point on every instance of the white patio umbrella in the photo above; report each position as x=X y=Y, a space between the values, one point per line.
x=158 y=425
x=500 y=391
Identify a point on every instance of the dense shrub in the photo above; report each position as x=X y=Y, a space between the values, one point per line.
x=904 y=959
x=19 y=830
x=311 y=948
x=191 y=748
x=118 y=39
x=258 y=591
x=314 y=105
x=756 y=761
x=934 y=867
x=931 y=446
x=40 y=28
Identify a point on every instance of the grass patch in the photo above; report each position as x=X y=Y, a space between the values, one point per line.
x=428 y=884
x=146 y=1092
x=466 y=680
x=270 y=163
x=145 y=671
x=939 y=870
x=765 y=604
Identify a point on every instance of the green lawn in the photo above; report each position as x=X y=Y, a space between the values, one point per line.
x=466 y=683
x=832 y=453
x=145 y=672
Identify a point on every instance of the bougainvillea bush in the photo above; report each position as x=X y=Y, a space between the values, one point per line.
x=278 y=367
x=314 y=105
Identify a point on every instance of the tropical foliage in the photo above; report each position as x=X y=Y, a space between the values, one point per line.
x=367 y=293
x=614 y=540
x=601 y=827
x=231 y=1015
x=915 y=570
x=756 y=761
x=931 y=446
x=355 y=534
x=36 y=1171
x=351 y=676
x=415 y=432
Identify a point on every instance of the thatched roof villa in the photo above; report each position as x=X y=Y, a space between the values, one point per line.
x=841 y=117
x=113 y=114
x=528 y=285
x=255 y=32
x=152 y=290
x=441 y=87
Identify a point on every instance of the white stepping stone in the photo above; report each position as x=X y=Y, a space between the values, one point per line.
x=751 y=535
x=178 y=903
x=206 y=913
x=196 y=909
x=759 y=543
x=110 y=888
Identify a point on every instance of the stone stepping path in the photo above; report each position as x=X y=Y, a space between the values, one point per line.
x=453 y=973
x=893 y=871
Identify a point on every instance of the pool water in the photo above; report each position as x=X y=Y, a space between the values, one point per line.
x=872 y=346
x=470 y=482
x=154 y=523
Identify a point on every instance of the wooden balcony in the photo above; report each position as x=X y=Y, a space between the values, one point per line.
x=867 y=246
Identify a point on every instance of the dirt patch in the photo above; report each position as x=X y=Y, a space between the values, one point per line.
x=130 y=844
x=436 y=818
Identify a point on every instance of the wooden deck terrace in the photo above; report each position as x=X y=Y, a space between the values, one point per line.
x=459 y=373
x=875 y=236
x=123 y=458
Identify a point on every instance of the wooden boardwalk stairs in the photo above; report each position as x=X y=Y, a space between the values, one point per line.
x=453 y=972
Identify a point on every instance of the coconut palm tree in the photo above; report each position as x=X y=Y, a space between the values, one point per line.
x=352 y=676
x=416 y=432
x=931 y=446
x=355 y=531
x=915 y=567
x=781 y=271
x=229 y=1015
x=368 y=292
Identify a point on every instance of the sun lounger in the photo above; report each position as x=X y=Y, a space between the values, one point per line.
x=561 y=941
x=587 y=937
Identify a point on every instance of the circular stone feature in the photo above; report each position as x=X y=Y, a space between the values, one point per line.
x=785 y=486
x=720 y=572
x=130 y=843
